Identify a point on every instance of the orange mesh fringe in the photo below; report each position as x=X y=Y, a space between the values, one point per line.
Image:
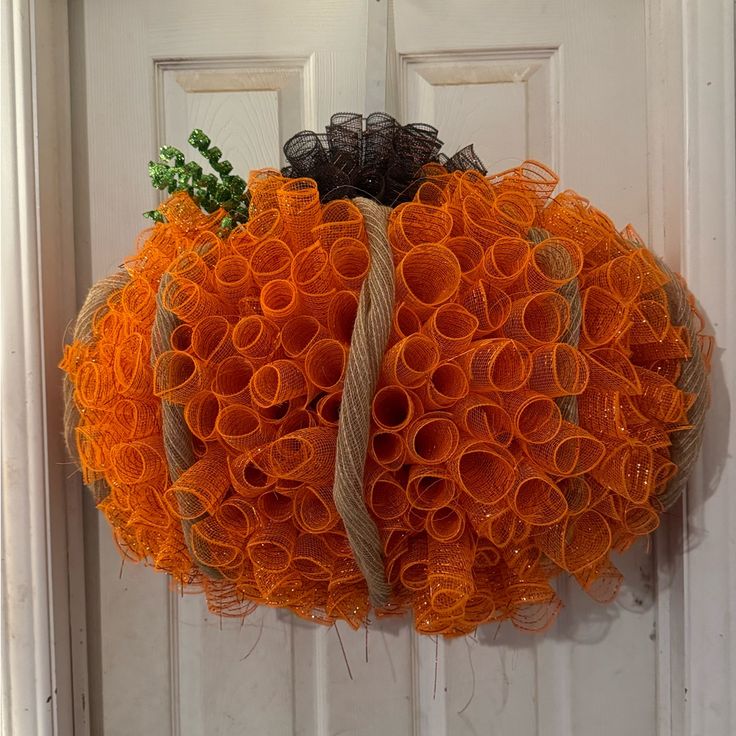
x=482 y=490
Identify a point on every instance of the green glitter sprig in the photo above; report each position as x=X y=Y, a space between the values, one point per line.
x=173 y=173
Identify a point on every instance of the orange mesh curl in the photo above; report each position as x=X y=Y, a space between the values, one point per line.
x=489 y=305
x=538 y=319
x=611 y=370
x=505 y=261
x=430 y=488
x=279 y=301
x=536 y=499
x=412 y=225
x=181 y=338
x=247 y=477
x=410 y=361
x=274 y=506
x=231 y=384
x=535 y=417
x=497 y=365
x=482 y=491
x=483 y=471
x=139 y=461
x=240 y=427
x=328 y=409
x=189 y=301
x=201 y=413
x=485 y=420
x=432 y=438
x=299 y=334
x=178 y=377
x=232 y=278
x=572 y=451
x=350 y=261
x=270 y=261
x=341 y=315
x=209 y=543
x=254 y=337
x=446 y=524
x=558 y=370
x=298 y=202
x=340 y=219
x=210 y=341
x=446 y=385
x=426 y=277
x=406 y=322
x=469 y=254
x=276 y=383
x=386 y=497
x=452 y=328
x=394 y=407
x=200 y=489
x=324 y=364
x=552 y=263
x=387 y=449
x=604 y=317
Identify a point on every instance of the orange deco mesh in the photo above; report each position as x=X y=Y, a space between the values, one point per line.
x=522 y=426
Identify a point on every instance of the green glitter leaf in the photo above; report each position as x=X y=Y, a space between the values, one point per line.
x=199 y=140
x=160 y=174
x=235 y=183
x=173 y=173
x=213 y=155
x=169 y=153
x=155 y=215
x=223 y=168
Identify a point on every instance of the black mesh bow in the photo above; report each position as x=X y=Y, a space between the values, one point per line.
x=375 y=157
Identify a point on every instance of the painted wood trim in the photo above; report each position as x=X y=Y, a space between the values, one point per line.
x=43 y=602
x=709 y=265
x=666 y=174
x=692 y=91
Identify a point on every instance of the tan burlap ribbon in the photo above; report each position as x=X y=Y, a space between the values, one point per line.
x=94 y=305
x=558 y=264
x=693 y=376
x=367 y=346
x=693 y=380
x=176 y=436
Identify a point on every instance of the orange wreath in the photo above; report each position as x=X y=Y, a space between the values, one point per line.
x=539 y=401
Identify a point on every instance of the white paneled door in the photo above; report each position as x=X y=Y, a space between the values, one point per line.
x=563 y=81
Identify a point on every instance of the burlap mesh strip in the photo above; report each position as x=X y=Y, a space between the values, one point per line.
x=693 y=380
x=368 y=343
x=693 y=377
x=95 y=301
x=176 y=437
x=571 y=291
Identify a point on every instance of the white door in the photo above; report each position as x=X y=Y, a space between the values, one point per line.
x=562 y=81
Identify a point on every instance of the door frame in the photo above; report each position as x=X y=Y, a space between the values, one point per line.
x=44 y=655
x=692 y=169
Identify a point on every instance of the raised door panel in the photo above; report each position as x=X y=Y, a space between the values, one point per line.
x=504 y=101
